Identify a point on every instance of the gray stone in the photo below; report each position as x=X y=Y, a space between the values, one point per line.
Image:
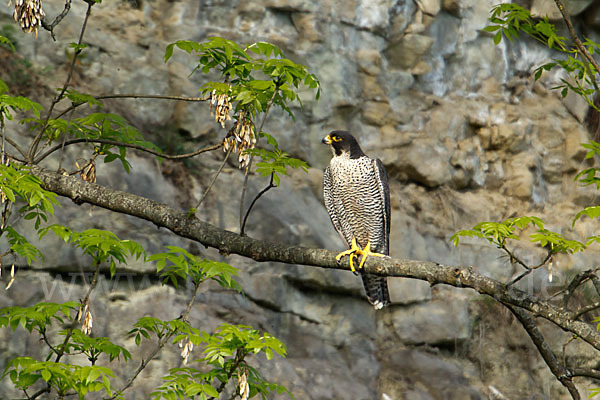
x=373 y=14
x=409 y=162
x=543 y=8
x=408 y=291
x=407 y=52
x=436 y=322
x=431 y=7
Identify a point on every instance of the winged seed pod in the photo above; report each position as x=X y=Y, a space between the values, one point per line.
x=86 y=327
x=222 y=107
x=243 y=385
x=240 y=138
x=12 y=277
x=187 y=350
x=29 y=14
x=88 y=170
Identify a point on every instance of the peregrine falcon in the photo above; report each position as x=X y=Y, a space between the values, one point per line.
x=357 y=198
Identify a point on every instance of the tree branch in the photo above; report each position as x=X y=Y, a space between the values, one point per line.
x=132 y=146
x=228 y=242
x=580 y=46
x=258 y=196
x=586 y=309
x=246 y=176
x=134 y=96
x=577 y=281
x=50 y=27
x=559 y=371
x=214 y=179
x=588 y=373
x=36 y=141
x=161 y=343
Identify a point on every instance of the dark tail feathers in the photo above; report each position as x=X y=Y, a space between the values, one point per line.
x=377 y=290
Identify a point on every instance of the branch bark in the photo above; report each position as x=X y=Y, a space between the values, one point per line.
x=228 y=242
x=559 y=371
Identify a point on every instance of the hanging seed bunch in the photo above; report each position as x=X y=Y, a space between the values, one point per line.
x=87 y=171
x=243 y=386
x=222 y=107
x=88 y=321
x=12 y=277
x=240 y=138
x=187 y=350
x=29 y=14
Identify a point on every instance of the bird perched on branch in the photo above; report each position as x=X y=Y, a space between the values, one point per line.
x=357 y=198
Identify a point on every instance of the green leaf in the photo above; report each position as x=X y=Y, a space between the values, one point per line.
x=497 y=37
x=5 y=41
x=169 y=52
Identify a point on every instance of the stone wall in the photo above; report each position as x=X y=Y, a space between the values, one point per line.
x=466 y=136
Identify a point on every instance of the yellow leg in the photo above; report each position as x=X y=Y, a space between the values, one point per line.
x=367 y=252
x=356 y=250
x=350 y=252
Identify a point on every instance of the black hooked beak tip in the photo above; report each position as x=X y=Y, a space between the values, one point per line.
x=326 y=140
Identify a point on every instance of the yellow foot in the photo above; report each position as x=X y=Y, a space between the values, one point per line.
x=356 y=250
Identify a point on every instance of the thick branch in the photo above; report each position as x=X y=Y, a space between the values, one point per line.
x=228 y=242
x=559 y=371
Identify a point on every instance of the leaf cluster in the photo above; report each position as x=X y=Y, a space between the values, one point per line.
x=498 y=233
x=64 y=378
x=275 y=161
x=38 y=317
x=105 y=126
x=16 y=182
x=226 y=351
x=10 y=104
x=178 y=263
x=102 y=246
x=510 y=19
x=255 y=75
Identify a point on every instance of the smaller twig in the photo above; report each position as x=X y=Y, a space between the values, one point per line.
x=62 y=147
x=16 y=146
x=239 y=358
x=36 y=141
x=61 y=351
x=577 y=281
x=270 y=186
x=586 y=309
x=589 y=373
x=45 y=339
x=50 y=27
x=129 y=145
x=3 y=136
x=245 y=184
x=40 y=392
x=161 y=343
x=580 y=46
x=564 y=349
x=528 y=269
x=595 y=281
x=134 y=96
x=214 y=179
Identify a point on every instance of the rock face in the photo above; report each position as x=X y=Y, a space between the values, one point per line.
x=466 y=136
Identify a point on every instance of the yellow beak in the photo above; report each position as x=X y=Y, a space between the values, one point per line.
x=326 y=140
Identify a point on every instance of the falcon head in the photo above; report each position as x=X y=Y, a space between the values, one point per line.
x=342 y=143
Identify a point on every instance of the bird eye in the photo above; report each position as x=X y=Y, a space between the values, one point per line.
x=336 y=138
